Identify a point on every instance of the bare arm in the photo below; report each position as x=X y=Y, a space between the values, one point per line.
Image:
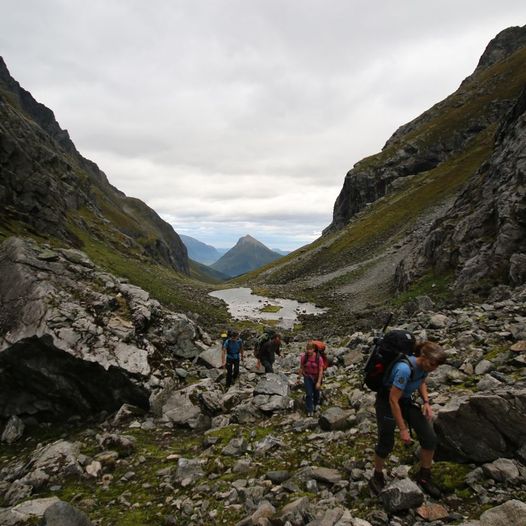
x=427 y=410
x=394 y=398
x=320 y=375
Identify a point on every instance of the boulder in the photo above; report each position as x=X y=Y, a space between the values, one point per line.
x=295 y=512
x=26 y=511
x=273 y=384
x=483 y=427
x=432 y=512
x=401 y=495
x=236 y=447
x=269 y=404
x=511 y=513
x=63 y=514
x=188 y=471
x=438 y=321
x=335 y=418
x=13 y=430
x=212 y=357
x=327 y=475
x=502 y=470
x=84 y=387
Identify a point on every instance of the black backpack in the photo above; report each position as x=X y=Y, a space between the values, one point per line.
x=393 y=347
x=262 y=339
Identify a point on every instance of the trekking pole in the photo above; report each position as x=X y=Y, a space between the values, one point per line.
x=388 y=321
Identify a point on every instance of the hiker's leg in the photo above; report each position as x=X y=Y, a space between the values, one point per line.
x=425 y=434
x=309 y=393
x=228 y=372
x=386 y=427
x=316 y=397
x=426 y=458
x=428 y=442
x=267 y=365
x=379 y=463
x=236 y=370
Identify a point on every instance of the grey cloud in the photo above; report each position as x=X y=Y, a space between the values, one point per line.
x=186 y=104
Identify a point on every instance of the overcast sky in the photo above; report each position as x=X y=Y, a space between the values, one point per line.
x=234 y=117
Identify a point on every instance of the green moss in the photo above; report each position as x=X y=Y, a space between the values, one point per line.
x=270 y=308
x=495 y=352
x=437 y=286
x=450 y=476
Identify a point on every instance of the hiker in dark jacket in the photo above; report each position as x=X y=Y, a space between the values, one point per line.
x=268 y=351
x=395 y=409
x=232 y=354
x=311 y=369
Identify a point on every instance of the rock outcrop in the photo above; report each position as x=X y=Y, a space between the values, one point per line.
x=483 y=427
x=437 y=135
x=48 y=188
x=75 y=340
x=482 y=237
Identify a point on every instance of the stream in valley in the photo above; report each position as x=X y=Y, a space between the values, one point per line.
x=243 y=304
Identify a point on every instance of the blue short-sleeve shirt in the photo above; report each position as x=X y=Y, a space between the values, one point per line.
x=233 y=348
x=401 y=377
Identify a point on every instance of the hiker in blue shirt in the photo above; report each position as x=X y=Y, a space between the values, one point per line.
x=232 y=354
x=395 y=408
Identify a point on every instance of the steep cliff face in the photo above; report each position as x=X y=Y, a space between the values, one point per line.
x=48 y=189
x=442 y=132
x=482 y=237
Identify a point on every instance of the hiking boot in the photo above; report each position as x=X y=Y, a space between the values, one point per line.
x=423 y=479
x=310 y=413
x=377 y=483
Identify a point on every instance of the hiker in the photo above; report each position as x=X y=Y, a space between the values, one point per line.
x=311 y=369
x=232 y=353
x=268 y=351
x=395 y=409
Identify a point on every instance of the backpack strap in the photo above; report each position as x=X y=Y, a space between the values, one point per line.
x=304 y=359
x=400 y=358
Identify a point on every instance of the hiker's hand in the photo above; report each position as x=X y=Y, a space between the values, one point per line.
x=404 y=435
x=223 y=364
x=318 y=386
x=427 y=411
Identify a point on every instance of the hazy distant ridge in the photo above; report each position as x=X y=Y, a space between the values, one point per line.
x=201 y=252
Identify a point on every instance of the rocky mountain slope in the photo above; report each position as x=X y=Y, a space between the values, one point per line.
x=439 y=210
x=113 y=412
x=49 y=190
x=246 y=255
x=199 y=251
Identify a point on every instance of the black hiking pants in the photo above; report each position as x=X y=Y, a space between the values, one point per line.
x=267 y=364
x=232 y=371
x=412 y=414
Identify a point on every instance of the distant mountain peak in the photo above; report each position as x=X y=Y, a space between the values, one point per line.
x=249 y=240
x=248 y=254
